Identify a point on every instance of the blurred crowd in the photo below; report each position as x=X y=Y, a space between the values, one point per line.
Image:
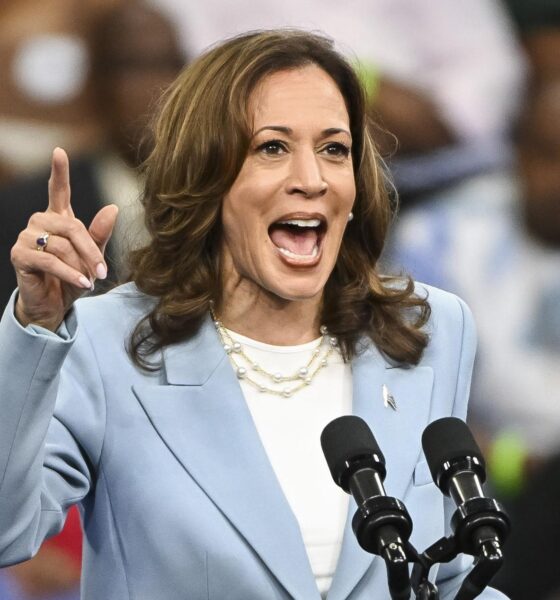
x=465 y=106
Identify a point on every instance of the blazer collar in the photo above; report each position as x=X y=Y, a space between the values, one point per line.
x=224 y=454
x=194 y=361
x=204 y=392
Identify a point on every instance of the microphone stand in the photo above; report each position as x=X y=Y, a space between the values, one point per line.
x=480 y=525
x=380 y=524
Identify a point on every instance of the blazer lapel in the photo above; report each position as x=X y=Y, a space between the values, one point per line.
x=398 y=433
x=204 y=420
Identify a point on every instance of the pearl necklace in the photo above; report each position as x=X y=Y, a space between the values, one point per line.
x=244 y=367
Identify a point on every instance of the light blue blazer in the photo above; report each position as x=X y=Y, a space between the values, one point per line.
x=177 y=496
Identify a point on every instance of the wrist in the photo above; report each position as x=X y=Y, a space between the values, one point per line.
x=50 y=322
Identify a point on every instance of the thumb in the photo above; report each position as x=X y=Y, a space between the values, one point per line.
x=102 y=225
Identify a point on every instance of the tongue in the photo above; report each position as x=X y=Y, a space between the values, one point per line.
x=301 y=241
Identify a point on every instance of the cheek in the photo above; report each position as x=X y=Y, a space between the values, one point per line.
x=352 y=190
x=245 y=207
x=242 y=226
x=347 y=193
x=234 y=234
x=234 y=212
x=346 y=197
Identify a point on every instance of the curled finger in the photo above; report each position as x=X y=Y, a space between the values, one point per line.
x=75 y=232
x=27 y=261
x=50 y=243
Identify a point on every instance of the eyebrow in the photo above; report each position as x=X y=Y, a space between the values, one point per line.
x=289 y=130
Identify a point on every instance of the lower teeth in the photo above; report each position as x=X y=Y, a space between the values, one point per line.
x=290 y=254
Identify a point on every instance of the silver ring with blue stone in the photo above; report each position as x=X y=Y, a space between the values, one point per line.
x=42 y=242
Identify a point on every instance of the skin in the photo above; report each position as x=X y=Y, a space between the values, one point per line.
x=50 y=281
x=298 y=165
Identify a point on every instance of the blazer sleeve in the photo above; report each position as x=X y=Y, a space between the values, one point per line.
x=452 y=574
x=45 y=465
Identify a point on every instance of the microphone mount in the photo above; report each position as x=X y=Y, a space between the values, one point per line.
x=480 y=526
x=381 y=523
x=382 y=526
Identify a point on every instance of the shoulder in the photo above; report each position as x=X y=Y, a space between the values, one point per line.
x=450 y=328
x=449 y=314
x=450 y=351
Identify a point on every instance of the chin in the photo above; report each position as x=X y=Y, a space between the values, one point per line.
x=300 y=288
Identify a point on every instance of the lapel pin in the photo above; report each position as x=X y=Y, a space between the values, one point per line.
x=388 y=398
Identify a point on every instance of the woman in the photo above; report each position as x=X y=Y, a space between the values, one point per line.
x=192 y=443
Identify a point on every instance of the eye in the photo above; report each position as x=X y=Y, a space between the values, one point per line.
x=337 y=150
x=272 y=147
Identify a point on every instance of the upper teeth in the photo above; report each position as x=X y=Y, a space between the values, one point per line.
x=301 y=222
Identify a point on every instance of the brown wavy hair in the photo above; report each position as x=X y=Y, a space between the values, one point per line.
x=202 y=136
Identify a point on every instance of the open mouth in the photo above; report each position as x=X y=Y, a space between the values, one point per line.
x=298 y=239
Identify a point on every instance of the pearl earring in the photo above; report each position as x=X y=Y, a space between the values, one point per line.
x=350 y=216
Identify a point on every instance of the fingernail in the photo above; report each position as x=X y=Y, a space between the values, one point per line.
x=101 y=271
x=85 y=282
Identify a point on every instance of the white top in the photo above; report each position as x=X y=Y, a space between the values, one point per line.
x=290 y=430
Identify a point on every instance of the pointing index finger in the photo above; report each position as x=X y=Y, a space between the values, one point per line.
x=59 y=184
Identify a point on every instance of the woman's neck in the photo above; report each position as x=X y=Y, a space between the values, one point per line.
x=270 y=319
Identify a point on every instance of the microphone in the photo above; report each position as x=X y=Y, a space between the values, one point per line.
x=381 y=524
x=457 y=466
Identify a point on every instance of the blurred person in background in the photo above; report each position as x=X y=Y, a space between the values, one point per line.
x=45 y=94
x=538 y=22
x=498 y=245
x=531 y=570
x=134 y=55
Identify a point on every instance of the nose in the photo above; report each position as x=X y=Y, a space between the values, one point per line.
x=306 y=177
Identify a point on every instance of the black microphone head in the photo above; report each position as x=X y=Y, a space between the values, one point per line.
x=346 y=442
x=448 y=440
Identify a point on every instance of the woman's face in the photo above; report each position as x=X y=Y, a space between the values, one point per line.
x=285 y=214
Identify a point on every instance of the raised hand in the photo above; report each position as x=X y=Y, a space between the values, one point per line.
x=56 y=257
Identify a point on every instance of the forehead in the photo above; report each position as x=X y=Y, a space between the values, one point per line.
x=303 y=95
